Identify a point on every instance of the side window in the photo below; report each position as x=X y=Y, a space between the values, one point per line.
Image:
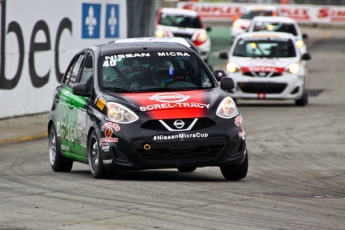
x=87 y=73
x=73 y=70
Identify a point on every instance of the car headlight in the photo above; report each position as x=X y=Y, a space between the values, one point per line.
x=120 y=114
x=299 y=44
x=294 y=68
x=231 y=67
x=227 y=108
x=236 y=24
x=161 y=33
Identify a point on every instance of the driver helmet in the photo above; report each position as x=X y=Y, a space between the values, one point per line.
x=163 y=72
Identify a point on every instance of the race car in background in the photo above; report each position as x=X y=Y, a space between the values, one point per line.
x=241 y=22
x=280 y=24
x=174 y=22
x=145 y=104
x=268 y=65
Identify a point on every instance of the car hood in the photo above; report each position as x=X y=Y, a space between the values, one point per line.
x=263 y=64
x=169 y=105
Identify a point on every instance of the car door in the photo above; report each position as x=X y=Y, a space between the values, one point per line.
x=68 y=110
x=79 y=106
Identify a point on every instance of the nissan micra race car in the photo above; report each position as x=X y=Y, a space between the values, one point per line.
x=268 y=65
x=174 y=22
x=145 y=105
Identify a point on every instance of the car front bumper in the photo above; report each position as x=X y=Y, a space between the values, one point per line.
x=289 y=86
x=218 y=145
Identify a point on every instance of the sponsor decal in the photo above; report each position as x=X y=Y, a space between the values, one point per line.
x=172 y=54
x=174 y=106
x=239 y=122
x=261 y=95
x=71 y=125
x=65 y=148
x=120 y=56
x=262 y=69
x=100 y=103
x=108 y=139
x=108 y=162
x=169 y=97
x=180 y=136
x=106 y=148
x=115 y=126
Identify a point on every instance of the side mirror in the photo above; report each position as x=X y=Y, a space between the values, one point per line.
x=208 y=28
x=304 y=36
x=306 y=56
x=219 y=74
x=227 y=83
x=81 y=89
x=223 y=55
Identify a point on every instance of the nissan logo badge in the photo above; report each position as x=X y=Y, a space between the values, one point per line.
x=179 y=124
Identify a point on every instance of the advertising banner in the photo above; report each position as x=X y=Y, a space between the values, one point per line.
x=318 y=14
x=39 y=38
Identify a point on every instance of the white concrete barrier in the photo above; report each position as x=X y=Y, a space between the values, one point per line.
x=38 y=38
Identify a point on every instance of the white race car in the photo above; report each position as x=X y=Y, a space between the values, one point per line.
x=267 y=65
x=174 y=22
x=242 y=22
x=280 y=24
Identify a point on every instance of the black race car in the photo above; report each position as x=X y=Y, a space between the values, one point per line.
x=145 y=105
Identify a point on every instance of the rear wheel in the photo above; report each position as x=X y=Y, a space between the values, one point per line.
x=58 y=162
x=186 y=169
x=236 y=172
x=303 y=101
x=95 y=159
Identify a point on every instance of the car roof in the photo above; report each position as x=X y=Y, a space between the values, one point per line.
x=266 y=34
x=168 y=10
x=154 y=40
x=138 y=47
x=180 y=40
x=274 y=19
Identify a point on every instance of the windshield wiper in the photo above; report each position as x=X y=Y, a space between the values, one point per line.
x=116 y=89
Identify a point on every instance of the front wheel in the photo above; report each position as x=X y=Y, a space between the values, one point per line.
x=303 y=101
x=58 y=162
x=236 y=172
x=95 y=159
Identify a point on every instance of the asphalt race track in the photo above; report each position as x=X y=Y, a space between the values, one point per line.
x=295 y=180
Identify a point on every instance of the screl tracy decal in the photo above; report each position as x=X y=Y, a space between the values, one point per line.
x=164 y=105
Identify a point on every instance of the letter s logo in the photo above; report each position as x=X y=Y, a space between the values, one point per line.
x=323 y=13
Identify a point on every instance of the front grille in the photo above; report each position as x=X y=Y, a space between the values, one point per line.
x=182 y=35
x=262 y=87
x=157 y=125
x=259 y=74
x=195 y=154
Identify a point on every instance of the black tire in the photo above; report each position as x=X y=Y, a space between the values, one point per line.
x=303 y=101
x=236 y=172
x=186 y=169
x=58 y=162
x=97 y=168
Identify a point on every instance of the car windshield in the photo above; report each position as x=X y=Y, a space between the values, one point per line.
x=180 y=21
x=275 y=27
x=251 y=14
x=265 y=47
x=154 y=71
